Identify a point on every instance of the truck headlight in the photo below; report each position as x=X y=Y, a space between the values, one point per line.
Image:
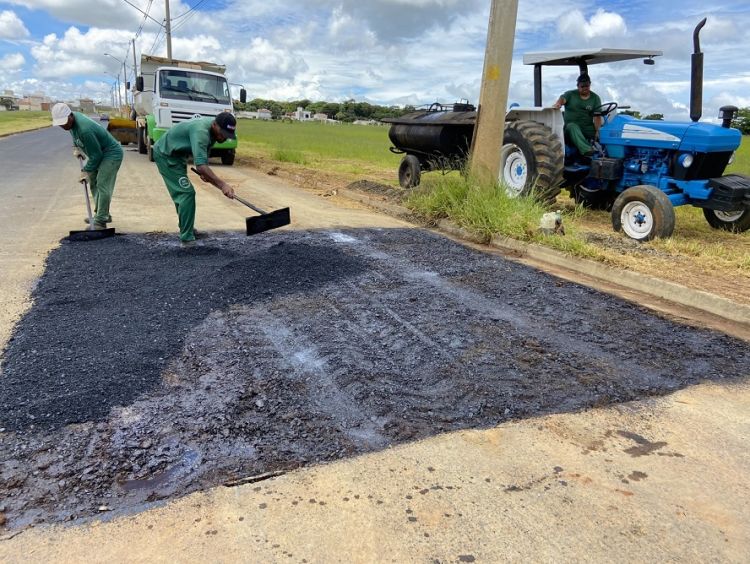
x=685 y=160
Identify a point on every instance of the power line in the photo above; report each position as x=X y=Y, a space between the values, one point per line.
x=142 y=12
x=188 y=11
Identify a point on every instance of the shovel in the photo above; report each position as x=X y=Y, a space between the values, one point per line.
x=90 y=233
x=265 y=221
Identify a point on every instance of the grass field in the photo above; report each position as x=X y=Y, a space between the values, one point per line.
x=13 y=122
x=344 y=148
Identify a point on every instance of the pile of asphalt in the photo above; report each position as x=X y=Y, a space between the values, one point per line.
x=144 y=371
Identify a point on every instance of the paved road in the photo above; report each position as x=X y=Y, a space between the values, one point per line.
x=657 y=479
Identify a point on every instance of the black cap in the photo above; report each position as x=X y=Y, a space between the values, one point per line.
x=227 y=124
x=584 y=78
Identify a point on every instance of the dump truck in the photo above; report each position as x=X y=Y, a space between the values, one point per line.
x=170 y=91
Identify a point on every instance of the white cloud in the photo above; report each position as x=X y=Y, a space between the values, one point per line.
x=12 y=62
x=602 y=24
x=11 y=26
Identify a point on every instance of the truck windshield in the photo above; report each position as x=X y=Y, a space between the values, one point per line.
x=193 y=85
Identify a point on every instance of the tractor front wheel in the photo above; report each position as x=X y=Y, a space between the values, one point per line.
x=736 y=221
x=643 y=213
x=409 y=172
x=531 y=161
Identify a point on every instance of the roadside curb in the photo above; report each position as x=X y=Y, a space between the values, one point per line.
x=24 y=131
x=662 y=289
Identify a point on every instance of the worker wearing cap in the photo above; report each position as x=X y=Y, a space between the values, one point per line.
x=581 y=123
x=193 y=137
x=103 y=153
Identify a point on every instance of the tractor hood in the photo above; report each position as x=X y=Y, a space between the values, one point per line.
x=684 y=136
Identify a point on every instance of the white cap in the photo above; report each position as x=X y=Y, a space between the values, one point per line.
x=60 y=113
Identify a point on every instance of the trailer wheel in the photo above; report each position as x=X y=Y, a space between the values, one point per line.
x=531 y=161
x=409 y=172
x=141 y=132
x=227 y=157
x=643 y=213
x=736 y=221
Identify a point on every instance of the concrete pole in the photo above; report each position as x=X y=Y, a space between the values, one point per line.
x=168 y=31
x=493 y=98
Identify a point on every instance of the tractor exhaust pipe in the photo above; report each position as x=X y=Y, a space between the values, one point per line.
x=696 y=75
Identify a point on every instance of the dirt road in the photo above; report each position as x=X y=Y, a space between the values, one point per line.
x=143 y=371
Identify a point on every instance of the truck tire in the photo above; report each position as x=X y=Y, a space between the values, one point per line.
x=735 y=221
x=227 y=157
x=531 y=161
x=141 y=133
x=643 y=213
x=409 y=172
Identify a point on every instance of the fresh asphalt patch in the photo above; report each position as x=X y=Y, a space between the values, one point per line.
x=144 y=371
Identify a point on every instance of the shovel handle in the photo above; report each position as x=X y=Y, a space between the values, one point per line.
x=236 y=197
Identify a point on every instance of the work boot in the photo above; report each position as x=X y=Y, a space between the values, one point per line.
x=187 y=244
x=99 y=226
x=108 y=220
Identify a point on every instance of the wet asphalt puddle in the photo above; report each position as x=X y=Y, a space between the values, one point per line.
x=145 y=371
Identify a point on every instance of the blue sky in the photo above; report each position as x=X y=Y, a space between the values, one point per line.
x=382 y=51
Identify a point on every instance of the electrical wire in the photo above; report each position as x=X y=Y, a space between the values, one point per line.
x=188 y=11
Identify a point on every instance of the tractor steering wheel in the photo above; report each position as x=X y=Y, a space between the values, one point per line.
x=606 y=109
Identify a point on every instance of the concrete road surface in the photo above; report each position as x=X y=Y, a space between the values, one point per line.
x=660 y=479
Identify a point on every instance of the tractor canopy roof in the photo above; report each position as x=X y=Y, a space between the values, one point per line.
x=587 y=56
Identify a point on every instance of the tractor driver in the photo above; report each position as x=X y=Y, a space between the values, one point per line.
x=581 y=124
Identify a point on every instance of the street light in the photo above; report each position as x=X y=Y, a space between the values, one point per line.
x=124 y=75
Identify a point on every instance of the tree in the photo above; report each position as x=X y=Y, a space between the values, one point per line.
x=635 y=113
x=657 y=117
x=742 y=121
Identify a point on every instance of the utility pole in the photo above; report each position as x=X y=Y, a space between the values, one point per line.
x=135 y=65
x=493 y=98
x=168 y=31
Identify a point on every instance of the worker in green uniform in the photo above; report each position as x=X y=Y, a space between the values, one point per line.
x=104 y=157
x=581 y=122
x=192 y=137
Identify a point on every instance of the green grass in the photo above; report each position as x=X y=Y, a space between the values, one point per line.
x=346 y=148
x=13 y=122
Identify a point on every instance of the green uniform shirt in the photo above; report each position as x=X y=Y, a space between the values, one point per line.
x=95 y=141
x=191 y=137
x=581 y=111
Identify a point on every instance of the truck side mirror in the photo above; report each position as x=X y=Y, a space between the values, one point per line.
x=139 y=84
x=243 y=95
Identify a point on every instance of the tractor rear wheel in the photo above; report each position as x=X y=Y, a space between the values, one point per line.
x=737 y=221
x=643 y=213
x=409 y=172
x=531 y=161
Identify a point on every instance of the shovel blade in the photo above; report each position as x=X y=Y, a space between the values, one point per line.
x=267 y=221
x=91 y=234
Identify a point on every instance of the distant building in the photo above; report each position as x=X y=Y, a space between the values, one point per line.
x=8 y=101
x=260 y=114
x=301 y=114
x=320 y=117
x=34 y=102
x=87 y=106
x=366 y=122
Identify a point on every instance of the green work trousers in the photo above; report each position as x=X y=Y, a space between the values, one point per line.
x=576 y=136
x=102 y=186
x=173 y=171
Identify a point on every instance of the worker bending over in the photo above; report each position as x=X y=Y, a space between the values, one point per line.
x=192 y=137
x=104 y=155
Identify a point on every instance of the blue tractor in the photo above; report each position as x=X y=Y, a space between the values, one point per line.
x=643 y=170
